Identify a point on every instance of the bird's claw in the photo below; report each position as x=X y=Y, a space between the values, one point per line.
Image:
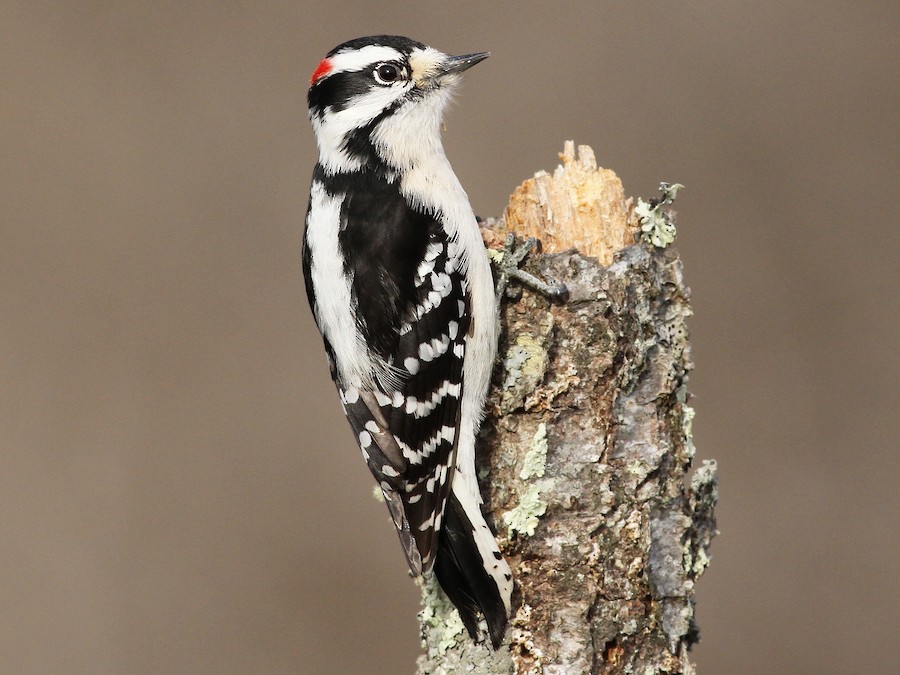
x=507 y=264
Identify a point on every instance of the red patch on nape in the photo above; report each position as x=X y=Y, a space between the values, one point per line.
x=321 y=71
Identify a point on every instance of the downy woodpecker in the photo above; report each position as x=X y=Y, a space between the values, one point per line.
x=400 y=286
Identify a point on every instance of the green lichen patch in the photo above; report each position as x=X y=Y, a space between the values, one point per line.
x=687 y=422
x=525 y=364
x=523 y=519
x=657 y=223
x=438 y=618
x=535 y=461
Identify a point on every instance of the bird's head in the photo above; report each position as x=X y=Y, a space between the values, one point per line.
x=378 y=101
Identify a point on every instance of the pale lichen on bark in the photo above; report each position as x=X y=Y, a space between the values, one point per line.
x=584 y=462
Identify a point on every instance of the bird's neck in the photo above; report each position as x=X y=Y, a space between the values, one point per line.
x=410 y=138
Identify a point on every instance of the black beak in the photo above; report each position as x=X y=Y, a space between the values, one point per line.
x=457 y=64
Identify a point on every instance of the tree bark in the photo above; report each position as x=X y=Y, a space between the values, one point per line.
x=585 y=454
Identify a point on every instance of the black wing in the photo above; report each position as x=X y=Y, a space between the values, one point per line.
x=408 y=429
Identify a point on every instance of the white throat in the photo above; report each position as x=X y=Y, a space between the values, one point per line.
x=411 y=136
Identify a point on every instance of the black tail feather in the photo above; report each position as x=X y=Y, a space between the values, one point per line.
x=461 y=573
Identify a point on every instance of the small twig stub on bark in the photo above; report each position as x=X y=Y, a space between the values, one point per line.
x=584 y=462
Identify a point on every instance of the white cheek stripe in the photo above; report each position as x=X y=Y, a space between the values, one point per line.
x=332 y=129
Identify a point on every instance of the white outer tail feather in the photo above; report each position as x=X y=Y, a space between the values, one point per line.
x=496 y=566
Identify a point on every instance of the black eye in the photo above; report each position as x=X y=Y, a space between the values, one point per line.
x=385 y=73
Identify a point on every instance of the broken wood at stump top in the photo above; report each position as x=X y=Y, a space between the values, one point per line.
x=579 y=206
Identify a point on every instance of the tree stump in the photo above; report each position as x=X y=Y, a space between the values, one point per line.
x=585 y=453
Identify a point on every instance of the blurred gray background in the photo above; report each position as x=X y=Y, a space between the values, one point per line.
x=179 y=491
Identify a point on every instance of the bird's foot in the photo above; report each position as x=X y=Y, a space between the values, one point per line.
x=506 y=263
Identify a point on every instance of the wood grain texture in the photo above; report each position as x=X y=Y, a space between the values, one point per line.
x=578 y=206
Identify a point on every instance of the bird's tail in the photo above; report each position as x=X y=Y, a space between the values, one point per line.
x=471 y=569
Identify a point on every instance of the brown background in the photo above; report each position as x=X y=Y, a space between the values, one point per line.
x=178 y=490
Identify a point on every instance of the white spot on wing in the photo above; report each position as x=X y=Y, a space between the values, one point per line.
x=411 y=404
x=412 y=365
x=449 y=433
x=424 y=270
x=439 y=345
x=433 y=251
x=440 y=281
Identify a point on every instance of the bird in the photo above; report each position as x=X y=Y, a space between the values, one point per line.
x=400 y=286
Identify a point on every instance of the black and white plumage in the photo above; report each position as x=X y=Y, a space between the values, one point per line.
x=401 y=289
